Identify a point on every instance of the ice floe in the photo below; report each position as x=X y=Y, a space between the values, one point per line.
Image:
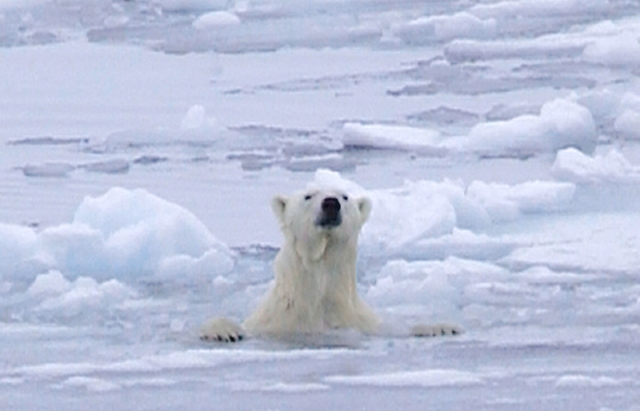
x=613 y=167
x=124 y=234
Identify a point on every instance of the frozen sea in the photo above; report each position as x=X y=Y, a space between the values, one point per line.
x=141 y=142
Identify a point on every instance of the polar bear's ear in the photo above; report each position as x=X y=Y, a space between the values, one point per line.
x=364 y=206
x=278 y=205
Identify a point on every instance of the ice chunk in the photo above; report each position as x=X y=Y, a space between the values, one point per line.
x=123 y=234
x=168 y=362
x=324 y=178
x=49 y=141
x=628 y=124
x=149 y=159
x=581 y=381
x=51 y=283
x=186 y=266
x=48 y=170
x=19 y=4
x=431 y=215
x=196 y=127
x=91 y=384
x=466 y=50
x=177 y=326
x=504 y=203
x=399 y=216
x=127 y=233
x=86 y=293
x=583 y=244
x=116 y=166
x=424 y=284
x=215 y=19
x=311 y=163
x=17 y=245
x=419 y=210
x=196 y=118
x=619 y=50
x=561 y=123
x=462 y=25
x=184 y=5
x=403 y=218
x=460 y=243
x=630 y=101
x=85 y=299
x=392 y=137
x=535 y=8
x=283 y=387
x=120 y=209
x=113 y=22
x=601 y=102
x=573 y=165
x=445 y=28
x=444 y=115
x=425 y=378
x=431 y=291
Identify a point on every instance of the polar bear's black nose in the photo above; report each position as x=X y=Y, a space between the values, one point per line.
x=330 y=215
x=330 y=205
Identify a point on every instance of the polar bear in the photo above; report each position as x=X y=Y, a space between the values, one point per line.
x=315 y=273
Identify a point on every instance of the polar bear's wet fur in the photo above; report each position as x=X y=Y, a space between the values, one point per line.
x=315 y=272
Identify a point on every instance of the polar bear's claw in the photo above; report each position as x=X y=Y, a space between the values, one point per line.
x=435 y=330
x=221 y=330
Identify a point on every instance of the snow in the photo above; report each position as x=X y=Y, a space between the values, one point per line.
x=561 y=123
x=14 y=4
x=51 y=283
x=427 y=379
x=622 y=49
x=573 y=165
x=391 y=137
x=17 y=243
x=121 y=234
x=143 y=140
x=505 y=203
x=445 y=28
x=90 y=384
x=405 y=287
x=183 y=5
x=435 y=210
x=528 y=8
x=85 y=293
x=577 y=381
x=215 y=19
x=197 y=118
x=48 y=170
x=628 y=124
x=423 y=209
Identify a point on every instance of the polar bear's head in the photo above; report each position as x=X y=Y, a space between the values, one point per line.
x=323 y=212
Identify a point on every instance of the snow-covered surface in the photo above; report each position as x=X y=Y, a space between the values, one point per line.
x=141 y=143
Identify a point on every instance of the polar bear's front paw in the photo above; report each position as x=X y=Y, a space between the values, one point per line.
x=435 y=330
x=222 y=330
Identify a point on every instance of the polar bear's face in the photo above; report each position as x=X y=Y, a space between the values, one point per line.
x=331 y=212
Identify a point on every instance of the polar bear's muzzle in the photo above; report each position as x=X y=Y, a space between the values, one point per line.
x=330 y=215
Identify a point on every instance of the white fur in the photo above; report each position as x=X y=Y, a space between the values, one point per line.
x=315 y=271
x=315 y=274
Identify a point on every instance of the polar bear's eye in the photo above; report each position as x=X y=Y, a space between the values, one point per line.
x=345 y=197
x=308 y=197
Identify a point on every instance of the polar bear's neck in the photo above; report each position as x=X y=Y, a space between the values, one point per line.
x=314 y=290
x=319 y=250
x=324 y=269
